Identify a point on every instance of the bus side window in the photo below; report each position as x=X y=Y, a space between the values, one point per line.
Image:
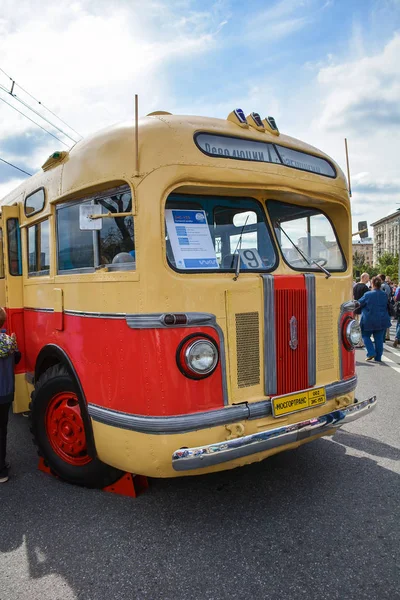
x=14 y=247
x=39 y=249
x=75 y=247
x=117 y=235
x=1 y=255
x=113 y=246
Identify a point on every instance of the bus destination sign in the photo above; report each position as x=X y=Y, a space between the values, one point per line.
x=242 y=149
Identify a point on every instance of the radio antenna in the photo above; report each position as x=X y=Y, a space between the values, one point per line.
x=136 y=136
x=348 y=166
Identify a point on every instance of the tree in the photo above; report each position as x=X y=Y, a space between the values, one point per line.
x=389 y=264
x=360 y=266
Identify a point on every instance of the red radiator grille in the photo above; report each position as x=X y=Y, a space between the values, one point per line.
x=292 y=373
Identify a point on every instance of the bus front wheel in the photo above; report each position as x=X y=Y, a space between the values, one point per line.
x=59 y=432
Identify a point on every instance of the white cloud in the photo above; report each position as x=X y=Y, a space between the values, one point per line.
x=357 y=98
x=364 y=92
x=86 y=60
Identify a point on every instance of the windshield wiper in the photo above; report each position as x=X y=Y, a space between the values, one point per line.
x=309 y=260
x=237 y=268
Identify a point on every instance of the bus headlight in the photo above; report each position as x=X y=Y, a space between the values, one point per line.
x=197 y=357
x=352 y=333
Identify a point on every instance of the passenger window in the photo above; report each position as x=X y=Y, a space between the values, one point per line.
x=116 y=237
x=39 y=249
x=14 y=247
x=34 y=203
x=75 y=247
x=113 y=246
x=1 y=255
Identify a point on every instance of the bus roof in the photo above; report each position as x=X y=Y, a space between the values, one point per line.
x=164 y=139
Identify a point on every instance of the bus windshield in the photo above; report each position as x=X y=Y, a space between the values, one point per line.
x=207 y=233
x=311 y=231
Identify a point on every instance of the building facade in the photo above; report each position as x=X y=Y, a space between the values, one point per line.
x=364 y=248
x=386 y=235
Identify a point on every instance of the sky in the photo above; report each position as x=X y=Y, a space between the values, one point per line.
x=325 y=69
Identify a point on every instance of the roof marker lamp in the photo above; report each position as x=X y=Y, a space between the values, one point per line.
x=255 y=121
x=270 y=125
x=237 y=116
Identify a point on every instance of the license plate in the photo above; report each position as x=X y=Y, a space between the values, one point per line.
x=284 y=405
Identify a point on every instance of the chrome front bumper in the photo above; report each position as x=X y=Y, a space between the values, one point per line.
x=188 y=459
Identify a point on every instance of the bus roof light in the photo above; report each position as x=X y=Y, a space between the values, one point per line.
x=255 y=121
x=237 y=116
x=270 y=125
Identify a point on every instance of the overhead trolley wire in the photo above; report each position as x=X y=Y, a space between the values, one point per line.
x=18 y=169
x=37 y=113
x=26 y=116
x=14 y=83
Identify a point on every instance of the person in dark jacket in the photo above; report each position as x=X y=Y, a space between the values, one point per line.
x=386 y=288
x=359 y=290
x=9 y=356
x=375 y=319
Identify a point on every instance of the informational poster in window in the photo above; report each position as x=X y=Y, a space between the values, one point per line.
x=191 y=240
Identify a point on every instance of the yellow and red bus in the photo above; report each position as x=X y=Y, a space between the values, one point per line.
x=185 y=310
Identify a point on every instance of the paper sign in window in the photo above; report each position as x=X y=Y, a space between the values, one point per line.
x=190 y=239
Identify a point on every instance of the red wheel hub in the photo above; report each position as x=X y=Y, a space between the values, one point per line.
x=65 y=429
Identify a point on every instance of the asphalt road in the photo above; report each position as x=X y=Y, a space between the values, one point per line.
x=319 y=522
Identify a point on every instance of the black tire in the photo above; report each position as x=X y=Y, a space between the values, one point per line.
x=94 y=474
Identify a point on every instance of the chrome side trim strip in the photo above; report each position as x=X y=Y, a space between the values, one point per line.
x=156 y=320
x=169 y=425
x=188 y=459
x=94 y=315
x=341 y=388
x=348 y=306
x=311 y=329
x=270 y=380
x=47 y=310
x=201 y=420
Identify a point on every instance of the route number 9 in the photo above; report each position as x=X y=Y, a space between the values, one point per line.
x=251 y=258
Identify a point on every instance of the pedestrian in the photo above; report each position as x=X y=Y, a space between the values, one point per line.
x=374 y=319
x=359 y=290
x=9 y=356
x=386 y=288
x=397 y=315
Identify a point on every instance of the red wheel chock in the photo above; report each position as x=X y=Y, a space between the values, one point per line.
x=128 y=485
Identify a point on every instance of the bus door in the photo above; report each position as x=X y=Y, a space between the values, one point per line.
x=13 y=289
x=2 y=266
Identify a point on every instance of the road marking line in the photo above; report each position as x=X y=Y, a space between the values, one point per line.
x=393 y=365
x=392 y=351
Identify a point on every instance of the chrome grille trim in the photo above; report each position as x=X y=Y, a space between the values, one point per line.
x=312 y=329
x=270 y=379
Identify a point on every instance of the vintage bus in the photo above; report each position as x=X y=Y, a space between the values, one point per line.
x=184 y=310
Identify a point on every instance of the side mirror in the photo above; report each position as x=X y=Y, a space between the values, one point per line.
x=86 y=221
